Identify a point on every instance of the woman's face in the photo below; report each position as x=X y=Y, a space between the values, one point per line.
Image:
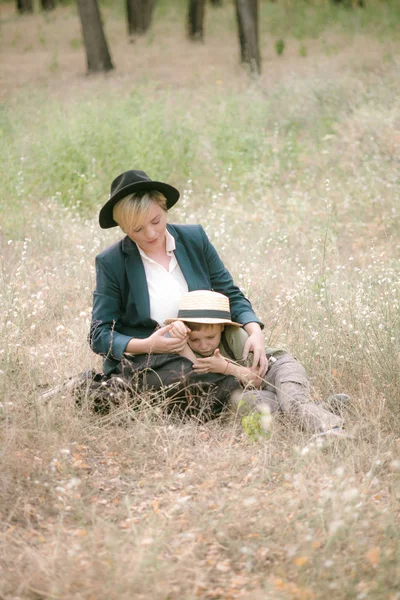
x=150 y=236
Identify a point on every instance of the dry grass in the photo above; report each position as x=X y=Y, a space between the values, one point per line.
x=306 y=216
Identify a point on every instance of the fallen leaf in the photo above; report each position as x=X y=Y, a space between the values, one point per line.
x=373 y=556
x=301 y=560
x=279 y=583
x=80 y=532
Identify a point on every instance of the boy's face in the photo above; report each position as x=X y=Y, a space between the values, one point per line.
x=206 y=340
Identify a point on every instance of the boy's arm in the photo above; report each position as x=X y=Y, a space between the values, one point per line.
x=188 y=353
x=218 y=364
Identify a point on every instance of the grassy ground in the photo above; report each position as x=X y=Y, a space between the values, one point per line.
x=295 y=178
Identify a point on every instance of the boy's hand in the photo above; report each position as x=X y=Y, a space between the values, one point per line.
x=179 y=330
x=162 y=342
x=211 y=364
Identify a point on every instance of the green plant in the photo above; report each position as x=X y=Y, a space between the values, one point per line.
x=303 y=50
x=253 y=427
x=76 y=43
x=279 y=46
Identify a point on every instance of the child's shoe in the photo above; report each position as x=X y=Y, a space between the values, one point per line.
x=326 y=438
x=337 y=403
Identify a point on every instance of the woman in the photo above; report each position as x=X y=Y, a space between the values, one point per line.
x=139 y=282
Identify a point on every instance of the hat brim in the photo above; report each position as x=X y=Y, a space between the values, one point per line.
x=106 y=219
x=203 y=321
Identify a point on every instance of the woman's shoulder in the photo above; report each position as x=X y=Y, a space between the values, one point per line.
x=112 y=251
x=188 y=233
x=185 y=229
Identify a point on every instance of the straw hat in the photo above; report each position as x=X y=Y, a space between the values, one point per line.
x=204 y=306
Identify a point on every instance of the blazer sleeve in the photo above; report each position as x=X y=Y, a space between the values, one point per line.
x=235 y=338
x=221 y=281
x=105 y=339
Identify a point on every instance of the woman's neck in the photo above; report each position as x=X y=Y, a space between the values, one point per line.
x=160 y=256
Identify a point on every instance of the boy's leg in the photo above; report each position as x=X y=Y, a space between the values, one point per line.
x=288 y=378
x=255 y=400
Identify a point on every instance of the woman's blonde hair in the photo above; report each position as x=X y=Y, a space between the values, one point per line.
x=130 y=212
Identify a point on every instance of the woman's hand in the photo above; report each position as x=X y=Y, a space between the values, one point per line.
x=161 y=343
x=255 y=344
x=179 y=330
x=211 y=364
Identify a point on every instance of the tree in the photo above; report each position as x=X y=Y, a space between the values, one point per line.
x=25 y=6
x=247 y=19
x=139 y=13
x=196 y=20
x=216 y=2
x=97 y=54
x=48 y=4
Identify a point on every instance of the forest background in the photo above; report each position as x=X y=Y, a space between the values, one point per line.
x=295 y=176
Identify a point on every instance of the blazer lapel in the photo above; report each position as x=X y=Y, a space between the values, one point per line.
x=184 y=262
x=137 y=279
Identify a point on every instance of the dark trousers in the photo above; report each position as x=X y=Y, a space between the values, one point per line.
x=187 y=392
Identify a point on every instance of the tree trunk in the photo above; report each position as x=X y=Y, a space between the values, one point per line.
x=216 y=2
x=25 y=6
x=97 y=54
x=196 y=20
x=242 y=41
x=48 y=4
x=139 y=13
x=247 y=18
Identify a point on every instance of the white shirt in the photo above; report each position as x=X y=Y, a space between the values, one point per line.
x=165 y=287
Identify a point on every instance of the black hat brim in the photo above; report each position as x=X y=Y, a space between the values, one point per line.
x=106 y=219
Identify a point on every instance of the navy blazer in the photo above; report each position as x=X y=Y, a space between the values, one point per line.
x=121 y=304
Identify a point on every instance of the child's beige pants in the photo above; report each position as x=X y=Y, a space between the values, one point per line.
x=286 y=390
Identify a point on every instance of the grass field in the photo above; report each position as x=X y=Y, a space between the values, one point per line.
x=295 y=177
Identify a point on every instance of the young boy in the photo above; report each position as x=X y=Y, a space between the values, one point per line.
x=215 y=345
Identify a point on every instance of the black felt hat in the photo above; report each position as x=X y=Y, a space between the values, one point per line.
x=131 y=182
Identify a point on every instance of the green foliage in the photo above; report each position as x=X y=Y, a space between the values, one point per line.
x=42 y=38
x=252 y=427
x=279 y=46
x=72 y=150
x=75 y=150
x=54 y=64
x=303 y=50
x=76 y=43
x=303 y=19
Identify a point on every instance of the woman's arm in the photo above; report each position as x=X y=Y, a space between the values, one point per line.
x=256 y=344
x=221 y=281
x=241 y=309
x=105 y=338
x=157 y=343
